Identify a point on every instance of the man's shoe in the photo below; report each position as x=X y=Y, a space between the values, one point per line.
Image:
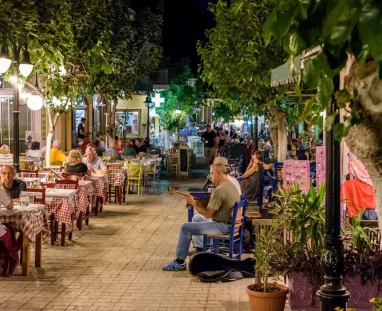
x=174 y=266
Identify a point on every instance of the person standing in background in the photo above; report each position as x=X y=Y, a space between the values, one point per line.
x=208 y=139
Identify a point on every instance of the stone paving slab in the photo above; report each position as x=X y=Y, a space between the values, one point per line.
x=115 y=264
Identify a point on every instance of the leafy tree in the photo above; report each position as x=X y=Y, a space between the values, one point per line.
x=346 y=34
x=236 y=64
x=185 y=90
x=135 y=50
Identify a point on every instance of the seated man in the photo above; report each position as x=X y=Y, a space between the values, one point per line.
x=219 y=209
x=56 y=155
x=92 y=162
x=12 y=185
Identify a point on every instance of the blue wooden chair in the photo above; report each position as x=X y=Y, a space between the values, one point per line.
x=232 y=242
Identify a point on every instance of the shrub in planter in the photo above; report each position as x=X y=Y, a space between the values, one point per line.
x=267 y=296
x=300 y=256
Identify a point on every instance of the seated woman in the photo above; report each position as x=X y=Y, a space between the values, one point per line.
x=74 y=163
x=111 y=151
x=119 y=146
x=251 y=178
x=35 y=152
x=129 y=151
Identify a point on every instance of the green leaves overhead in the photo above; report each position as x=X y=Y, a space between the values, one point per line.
x=105 y=46
x=235 y=62
x=334 y=32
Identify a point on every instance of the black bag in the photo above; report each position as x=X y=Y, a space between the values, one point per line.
x=210 y=267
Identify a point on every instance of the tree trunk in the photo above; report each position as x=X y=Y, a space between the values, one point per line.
x=166 y=140
x=365 y=139
x=281 y=133
x=52 y=125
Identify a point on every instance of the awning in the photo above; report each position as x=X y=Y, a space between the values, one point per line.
x=286 y=73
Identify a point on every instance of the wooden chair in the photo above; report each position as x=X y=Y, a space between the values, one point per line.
x=28 y=173
x=234 y=240
x=135 y=176
x=73 y=176
x=39 y=198
x=65 y=184
x=48 y=184
x=173 y=165
x=115 y=188
x=151 y=174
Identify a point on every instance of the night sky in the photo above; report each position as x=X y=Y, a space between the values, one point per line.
x=185 y=22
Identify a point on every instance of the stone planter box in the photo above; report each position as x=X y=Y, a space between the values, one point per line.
x=300 y=294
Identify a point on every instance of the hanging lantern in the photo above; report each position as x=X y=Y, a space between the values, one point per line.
x=34 y=102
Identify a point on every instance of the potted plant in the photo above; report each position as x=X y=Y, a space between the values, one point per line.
x=302 y=251
x=267 y=296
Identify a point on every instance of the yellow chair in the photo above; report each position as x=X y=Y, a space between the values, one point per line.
x=135 y=176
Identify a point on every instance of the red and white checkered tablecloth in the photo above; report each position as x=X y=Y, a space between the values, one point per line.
x=100 y=185
x=85 y=191
x=29 y=220
x=62 y=210
x=62 y=203
x=117 y=177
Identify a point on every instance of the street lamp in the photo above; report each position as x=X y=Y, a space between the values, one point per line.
x=25 y=68
x=149 y=104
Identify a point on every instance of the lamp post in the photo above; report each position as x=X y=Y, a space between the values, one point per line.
x=149 y=104
x=333 y=294
x=25 y=68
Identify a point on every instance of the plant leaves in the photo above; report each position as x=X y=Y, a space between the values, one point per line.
x=329 y=120
x=324 y=91
x=343 y=97
x=310 y=74
x=340 y=131
x=370 y=27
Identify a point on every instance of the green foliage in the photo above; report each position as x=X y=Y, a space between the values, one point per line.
x=235 y=62
x=104 y=45
x=263 y=255
x=303 y=215
x=134 y=50
x=342 y=29
x=224 y=112
x=185 y=89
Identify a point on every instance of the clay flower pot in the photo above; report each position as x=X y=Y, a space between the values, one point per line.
x=263 y=301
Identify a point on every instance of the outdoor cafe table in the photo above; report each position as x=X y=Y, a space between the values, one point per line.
x=61 y=203
x=84 y=195
x=32 y=222
x=100 y=189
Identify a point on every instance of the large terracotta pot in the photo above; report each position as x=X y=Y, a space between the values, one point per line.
x=261 y=301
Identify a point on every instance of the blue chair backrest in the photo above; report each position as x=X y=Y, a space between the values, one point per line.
x=265 y=155
x=237 y=217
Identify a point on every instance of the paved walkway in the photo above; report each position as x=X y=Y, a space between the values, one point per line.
x=115 y=264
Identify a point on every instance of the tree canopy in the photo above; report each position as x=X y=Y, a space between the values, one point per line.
x=342 y=30
x=185 y=90
x=235 y=62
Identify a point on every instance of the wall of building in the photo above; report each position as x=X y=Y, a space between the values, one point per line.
x=136 y=102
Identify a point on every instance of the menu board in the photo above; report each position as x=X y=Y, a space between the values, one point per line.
x=183 y=158
x=320 y=166
x=296 y=171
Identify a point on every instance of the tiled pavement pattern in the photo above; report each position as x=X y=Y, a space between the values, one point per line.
x=115 y=264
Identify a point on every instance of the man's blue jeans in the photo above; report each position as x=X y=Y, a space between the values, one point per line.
x=189 y=229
